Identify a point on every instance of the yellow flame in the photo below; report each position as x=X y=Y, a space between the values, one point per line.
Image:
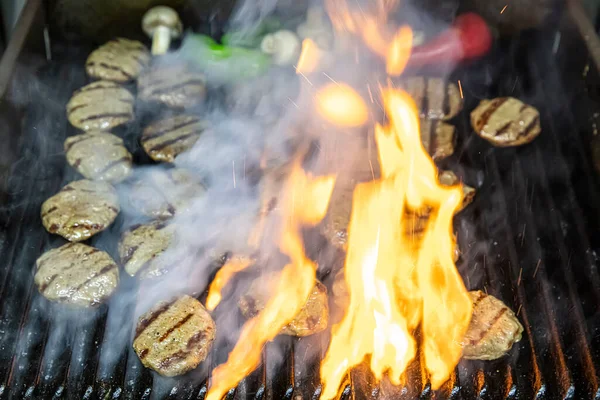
x=310 y=57
x=341 y=105
x=223 y=276
x=305 y=202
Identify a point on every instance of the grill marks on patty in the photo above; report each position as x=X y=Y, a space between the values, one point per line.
x=435 y=98
x=80 y=210
x=174 y=337
x=438 y=138
x=140 y=249
x=506 y=121
x=493 y=329
x=93 y=107
x=175 y=86
x=76 y=274
x=119 y=60
x=167 y=138
x=99 y=155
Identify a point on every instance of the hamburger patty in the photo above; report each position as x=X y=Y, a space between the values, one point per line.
x=435 y=98
x=438 y=138
x=162 y=194
x=449 y=178
x=80 y=210
x=174 y=337
x=311 y=319
x=76 y=274
x=506 y=121
x=165 y=139
x=100 y=105
x=493 y=330
x=98 y=155
x=141 y=246
x=176 y=86
x=119 y=60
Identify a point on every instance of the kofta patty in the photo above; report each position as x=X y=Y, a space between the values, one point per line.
x=140 y=249
x=119 y=60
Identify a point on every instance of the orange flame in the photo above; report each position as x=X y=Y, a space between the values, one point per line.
x=310 y=57
x=341 y=105
x=393 y=283
x=305 y=202
x=223 y=276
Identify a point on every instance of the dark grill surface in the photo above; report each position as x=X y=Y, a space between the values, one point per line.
x=530 y=238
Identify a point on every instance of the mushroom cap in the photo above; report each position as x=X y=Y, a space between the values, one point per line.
x=162 y=16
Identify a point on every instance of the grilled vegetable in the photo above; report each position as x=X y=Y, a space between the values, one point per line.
x=468 y=38
x=162 y=24
x=493 y=330
x=283 y=46
x=174 y=337
x=76 y=274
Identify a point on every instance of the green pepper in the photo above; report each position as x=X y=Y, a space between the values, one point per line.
x=253 y=38
x=221 y=63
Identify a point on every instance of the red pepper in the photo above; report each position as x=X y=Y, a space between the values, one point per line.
x=468 y=38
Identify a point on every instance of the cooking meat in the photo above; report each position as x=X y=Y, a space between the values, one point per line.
x=162 y=194
x=435 y=98
x=100 y=105
x=438 y=138
x=98 y=155
x=176 y=86
x=174 y=337
x=76 y=274
x=80 y=210
x=449 y=178
x=335 y=223
x=506 y=121
x=167 y=138
x=311 y=319
x=141 y=247
x=493 y=330
x=339 y=289
x=119 y=60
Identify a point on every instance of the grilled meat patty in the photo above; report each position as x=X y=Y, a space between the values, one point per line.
x=141 y=246
x=165 y=139
x=506 y=121
x=162 y=194
x=493 y=330
x=98 y=155
x=176 y=86
x=174 y=337
x=311 y=319
x=76 y=274
x=119 y=60
x=438 y=138
x=100 y=105
x=449 y=178
x=80 y=210
x=435 y=98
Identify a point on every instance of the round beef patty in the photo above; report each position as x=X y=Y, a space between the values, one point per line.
x=162 y=194
x=174 y=337
x=312 y=317
x=76 y=274
x=100 y=105
x=141 y=246
x=434 y=97
x=119 y=60
x=506 y=121
x=165 y=139
x=99 y=155
x=176 y=85
x=80 y=210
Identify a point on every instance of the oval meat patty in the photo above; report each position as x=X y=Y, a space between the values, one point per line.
x=174 y=337
x=76 y=274
x=141 y=247
x=162 y=194
x=80 y=210
x=312 y=318
x=435 y=98
x=438 y=138
x=506 y=121
x=176 y=86
x=98 y=155
x=493 y=330
x=166 y=139
x=119 y=60
x=100 y=105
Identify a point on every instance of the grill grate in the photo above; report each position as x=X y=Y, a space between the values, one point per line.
x=536 y=210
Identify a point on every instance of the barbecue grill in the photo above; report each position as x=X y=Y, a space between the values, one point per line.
x=530 y=238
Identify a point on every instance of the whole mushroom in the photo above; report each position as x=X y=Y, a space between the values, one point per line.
x=162 y=24
x=283 y=46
